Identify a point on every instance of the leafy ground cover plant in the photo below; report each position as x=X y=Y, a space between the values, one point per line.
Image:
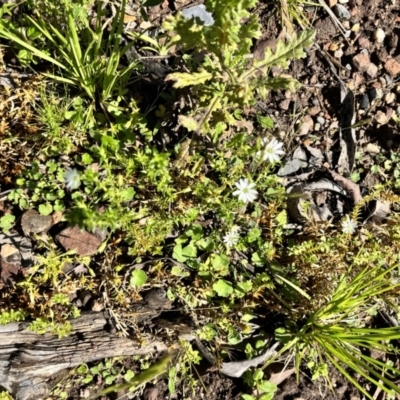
x=212 y=202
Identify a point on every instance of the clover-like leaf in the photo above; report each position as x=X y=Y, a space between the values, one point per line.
x=138 y=278
x=223 y=288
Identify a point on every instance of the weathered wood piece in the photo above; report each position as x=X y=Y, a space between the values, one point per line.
x=28 y=360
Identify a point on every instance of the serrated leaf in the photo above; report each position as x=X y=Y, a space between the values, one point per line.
x=45 y=209
x=188 y=122
x=223 y=288
x=7 y=222
x=183 y=79
x=292 y=50
x=138 y=278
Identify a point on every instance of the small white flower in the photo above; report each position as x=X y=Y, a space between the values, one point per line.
x=72 y=179
x=231 y=238
x=246 y=191
x=349 y=226
x=271 y=151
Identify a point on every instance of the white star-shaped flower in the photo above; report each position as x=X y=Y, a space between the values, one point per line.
x=271 y=150
x=246 y=192
x=72 y=179
x=231 y=238
x=349 y=226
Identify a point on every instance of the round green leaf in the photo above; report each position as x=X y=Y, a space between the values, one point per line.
x=223 y=288
x=138 y=278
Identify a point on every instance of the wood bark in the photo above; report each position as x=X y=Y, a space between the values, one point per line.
x=29 y=360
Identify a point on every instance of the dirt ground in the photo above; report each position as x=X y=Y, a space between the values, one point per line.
x=367 y=65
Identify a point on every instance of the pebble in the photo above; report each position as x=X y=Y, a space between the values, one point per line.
x=364 y=103
x=392 y=67
x=346 y=24
x=348 y=66
x=343 y=1
x=321 y=120
x=389 y=97
x=388 y=79
x=317 y=127
x=341 y=11
x=379 y=35
x=375 y=93
x=380 y=117
x=338 y=53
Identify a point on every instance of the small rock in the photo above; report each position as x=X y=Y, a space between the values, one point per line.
x=355 y=28
x=7 y=250
x=317 y=126
x=364 y=102
x=200 y=12
x=343 y=1
x=341 y=11
x=321 y=120
x=381 y=118
x=392 y=67
x=388 y=79
x=371 y=70
x=379 y=35
x=33 y=222
x=346 y=25
x=363 y=42
x=338 y=53
x=375 y=93
x=389 y=97
x=372 y=148
x=284 y=105
x=332 y=3
x=306 y=126
x=314 y=110
x=363 y=64
x=74 y=238
x=360 y=60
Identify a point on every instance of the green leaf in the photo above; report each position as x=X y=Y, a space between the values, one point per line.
x=177 y=253
x=138 y=278
x=7 y=222
x=257 y=259
x=258 y=374
x=127 y=194
x=178 y=271
x=281 y=218
x=219 y=262
x=265 y=122
x=248 y=397
x=189 y=251
x=128 y=375
x=267 y=387
x=188 y=122
x=45 y=209
x=87 y=159
x=25 y=57
x=223 y=288
x=183 y=79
